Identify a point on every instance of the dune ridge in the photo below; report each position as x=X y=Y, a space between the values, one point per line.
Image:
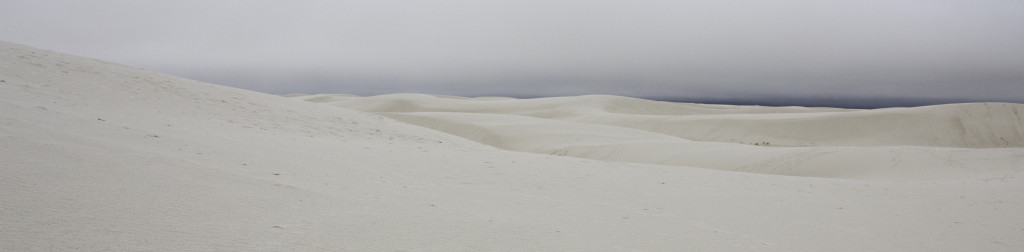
x=820 y=142
x=970 y=125
x=102 y=157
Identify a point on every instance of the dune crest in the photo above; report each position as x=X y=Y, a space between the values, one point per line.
x=973 y=125
x=819 y=142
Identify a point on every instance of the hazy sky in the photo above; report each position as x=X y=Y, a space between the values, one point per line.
x=789 y=50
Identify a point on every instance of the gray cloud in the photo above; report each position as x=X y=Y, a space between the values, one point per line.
x=789 y=49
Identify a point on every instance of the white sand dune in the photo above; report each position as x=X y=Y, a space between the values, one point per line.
x=980 y=125
x=100 y=157
x=898 y=143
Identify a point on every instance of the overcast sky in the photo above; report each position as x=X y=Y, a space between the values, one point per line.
x=914 y=51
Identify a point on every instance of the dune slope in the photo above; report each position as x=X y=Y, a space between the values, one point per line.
x=945 y=141
x=978 y=125
x=97 y=156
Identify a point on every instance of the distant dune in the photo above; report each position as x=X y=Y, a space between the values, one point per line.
x=797 y=141
x=97 y=156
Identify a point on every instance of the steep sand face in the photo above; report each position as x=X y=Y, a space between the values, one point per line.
x=100 y=157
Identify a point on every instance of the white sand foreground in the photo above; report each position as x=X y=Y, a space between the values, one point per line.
x=96 y=156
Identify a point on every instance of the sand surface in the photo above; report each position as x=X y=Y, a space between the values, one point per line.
x=97 y=156
x=885 y=144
